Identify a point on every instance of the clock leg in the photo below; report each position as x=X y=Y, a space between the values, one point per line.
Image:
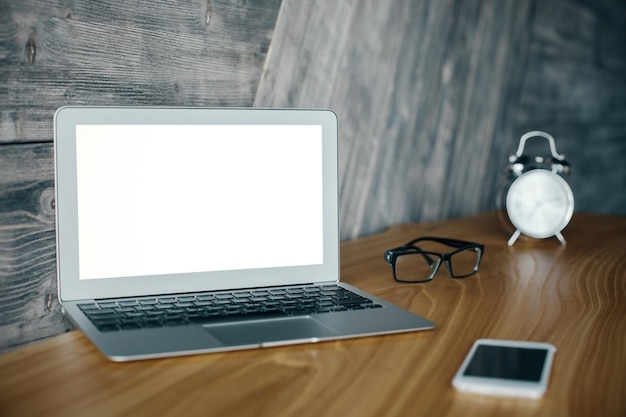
x=561 y=238
x=514 y=237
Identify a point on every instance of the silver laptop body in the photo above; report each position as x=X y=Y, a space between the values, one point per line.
x=192 y=230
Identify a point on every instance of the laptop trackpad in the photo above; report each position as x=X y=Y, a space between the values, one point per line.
x=281 y=331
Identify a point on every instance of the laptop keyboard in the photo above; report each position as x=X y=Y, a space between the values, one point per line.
x=205 y=308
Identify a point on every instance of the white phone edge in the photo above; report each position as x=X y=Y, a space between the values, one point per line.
x=505 y=387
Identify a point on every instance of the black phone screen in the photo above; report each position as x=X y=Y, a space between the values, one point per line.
x=504 y=362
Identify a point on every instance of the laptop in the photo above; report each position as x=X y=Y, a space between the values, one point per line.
x=191 y=230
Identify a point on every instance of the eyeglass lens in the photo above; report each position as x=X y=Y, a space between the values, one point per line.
x=420 y=266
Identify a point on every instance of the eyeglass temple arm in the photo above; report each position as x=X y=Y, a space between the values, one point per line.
x=446 y=241
x=389 y=254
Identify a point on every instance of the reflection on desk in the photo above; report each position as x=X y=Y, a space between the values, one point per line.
x=573 y=297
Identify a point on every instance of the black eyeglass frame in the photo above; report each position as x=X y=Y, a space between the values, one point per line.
x=410 y=248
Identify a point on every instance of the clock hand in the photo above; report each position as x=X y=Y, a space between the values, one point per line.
x=534 y=209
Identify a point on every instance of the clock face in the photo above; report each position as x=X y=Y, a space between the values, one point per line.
x=540 y=203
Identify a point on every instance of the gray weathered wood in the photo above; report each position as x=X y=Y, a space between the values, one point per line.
x=432 y=96
x=158 y=52
x=574 y=87
x=29 y=309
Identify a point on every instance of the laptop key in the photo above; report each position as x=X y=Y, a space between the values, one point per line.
x=205 y=297
x=99 y=313
x=106 y=317
x=130 y=303
x=111 y=327
x=174 y=321
x=130 y=326
x=152 y=322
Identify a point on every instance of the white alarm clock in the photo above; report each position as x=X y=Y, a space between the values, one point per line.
x=539 y=202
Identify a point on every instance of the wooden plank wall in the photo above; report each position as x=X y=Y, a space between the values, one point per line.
x=432 y=96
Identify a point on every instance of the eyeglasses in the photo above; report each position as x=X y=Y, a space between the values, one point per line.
x=409 y=263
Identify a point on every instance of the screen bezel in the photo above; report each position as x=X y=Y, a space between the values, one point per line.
x=71 y=287
x=505 y=386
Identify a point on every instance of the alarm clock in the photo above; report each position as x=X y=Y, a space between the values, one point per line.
x=538 y=201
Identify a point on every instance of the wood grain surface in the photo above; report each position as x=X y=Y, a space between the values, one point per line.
x=572 y=297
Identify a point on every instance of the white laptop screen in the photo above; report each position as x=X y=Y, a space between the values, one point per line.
x=169 y=199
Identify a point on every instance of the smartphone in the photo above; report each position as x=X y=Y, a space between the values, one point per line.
x=506 y=367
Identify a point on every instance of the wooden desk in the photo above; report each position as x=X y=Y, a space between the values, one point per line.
x=573 y=297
